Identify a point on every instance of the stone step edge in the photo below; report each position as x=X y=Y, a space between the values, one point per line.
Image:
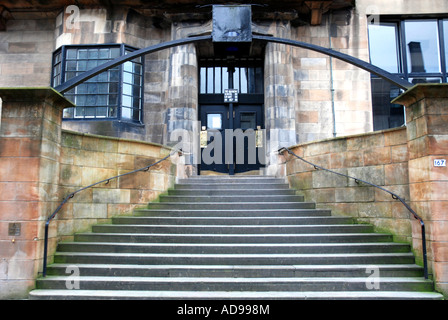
x=233 y=245
x=210 y=295
x=242 y=279
x=323 y=267
x=236 y=255
x=223 y=295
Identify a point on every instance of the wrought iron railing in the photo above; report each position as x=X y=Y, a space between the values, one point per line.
x=71 y=195
x=394 y=196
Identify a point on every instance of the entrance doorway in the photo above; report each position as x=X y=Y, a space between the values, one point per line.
x=231 y=115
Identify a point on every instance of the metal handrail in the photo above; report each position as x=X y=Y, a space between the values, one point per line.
x=394 y=196
x=71 y=195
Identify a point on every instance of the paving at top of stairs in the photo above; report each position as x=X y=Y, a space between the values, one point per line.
x=234 y=238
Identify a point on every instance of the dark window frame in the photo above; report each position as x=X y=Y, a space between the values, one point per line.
x=62 y=51
x=403 y=63
x=254 y=64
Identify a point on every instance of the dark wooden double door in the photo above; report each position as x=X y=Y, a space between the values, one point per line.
x=238 y=122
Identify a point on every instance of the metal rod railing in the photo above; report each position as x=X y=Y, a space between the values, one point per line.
x=394 y=196
x=71 y=195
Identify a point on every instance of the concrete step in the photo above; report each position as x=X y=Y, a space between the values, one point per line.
x=232 y=212
x=233 y=238
x=232 y=198
x=242 y=220
x=230 y=186
x=234 y=259
x=238 y=284
x=232 y=180
x=231 y=205
x=230 y=192
x=232 y=229
x=241 y=248
x=235 y=295
x=247 y=271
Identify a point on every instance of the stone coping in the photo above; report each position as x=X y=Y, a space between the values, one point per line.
x=34 y=93
x=91 y=135
x=359 y=135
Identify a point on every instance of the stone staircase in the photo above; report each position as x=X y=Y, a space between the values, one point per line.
x=233 y=238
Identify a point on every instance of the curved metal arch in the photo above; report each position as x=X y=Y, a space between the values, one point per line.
x=399 y=82
x=396 y=80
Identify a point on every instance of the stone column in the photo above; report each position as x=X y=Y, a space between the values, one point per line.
x=427 y=134
x=30 y=137
x=182 y=96
x=279 y=95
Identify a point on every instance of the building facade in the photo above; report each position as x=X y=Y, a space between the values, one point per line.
x=287 y=95
x=300 y=95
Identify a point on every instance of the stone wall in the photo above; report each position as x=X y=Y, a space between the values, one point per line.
x=400 y=160
x=26 y=53
x=427 y=135
x=380 y=158
x=86 y=159
x=40 y=165
x=333 y=97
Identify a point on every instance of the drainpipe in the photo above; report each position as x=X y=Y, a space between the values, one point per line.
x=331 y=76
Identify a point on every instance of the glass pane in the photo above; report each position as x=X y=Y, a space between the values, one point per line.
x=136 y=114
x=113 y=99
x=225 y=78
x=68 y=113
x=127 y=77
x=93 y=53
x=244 y=78
x=89 y=112
x=126 y=113
x=127 y=66
x=445 y=39
x=126 y=101
x=218 y=79
x=114 y=52
x=101 y=100
x=385 y=114
x=248 y=120
x=79 y=112
x=80 y=100
x=425 y=80
x=71 y=54
x=210 y=80
x=383 y=46
x=203 y=80
x=101 y=112
x=71 y=66
x=214 y=121
x=82 y=54
x=236 y=79
x=127 y=89
x=422 y=46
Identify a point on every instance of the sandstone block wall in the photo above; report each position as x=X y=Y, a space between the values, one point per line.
x=380 y=158
x=40 y=165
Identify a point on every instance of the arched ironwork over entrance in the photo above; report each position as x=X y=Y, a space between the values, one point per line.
x=401 y=83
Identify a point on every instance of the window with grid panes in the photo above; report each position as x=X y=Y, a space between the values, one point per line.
x=113 y=94
x=414 y=49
